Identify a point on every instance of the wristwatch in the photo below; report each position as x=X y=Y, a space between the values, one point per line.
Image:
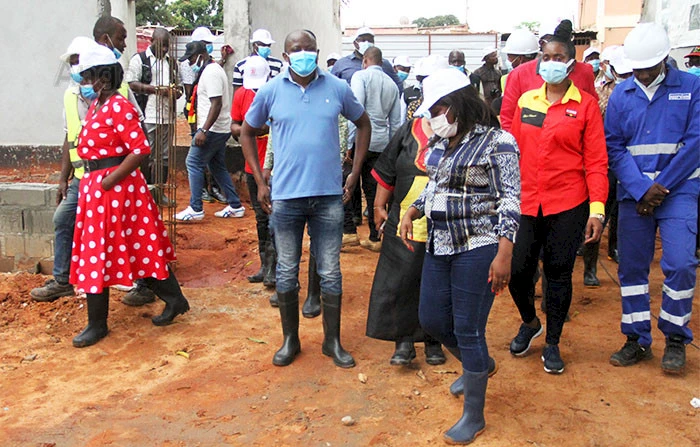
x=600 y=217
x=203 y=130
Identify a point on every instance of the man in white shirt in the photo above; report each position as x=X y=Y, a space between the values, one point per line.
x=213 y=130
x=154 y=79
x=379 y=95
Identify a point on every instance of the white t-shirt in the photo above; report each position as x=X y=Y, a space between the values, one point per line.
x=160 y=75
x=212 y=83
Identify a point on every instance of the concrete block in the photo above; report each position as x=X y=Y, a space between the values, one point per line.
x=38 y=246
x=37 y=221
x=7 y=264
x=26 y=194
x=11 y=220
x=45 y=266
x=12 y=245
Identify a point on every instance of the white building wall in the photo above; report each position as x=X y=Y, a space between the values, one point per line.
x=282 y=17
x=34 y=34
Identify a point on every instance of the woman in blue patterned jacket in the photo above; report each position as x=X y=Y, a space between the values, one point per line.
x=472 y=202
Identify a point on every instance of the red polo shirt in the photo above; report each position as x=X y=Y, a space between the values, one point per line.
x=525 y=78
x=563 y=157
x=242 y=100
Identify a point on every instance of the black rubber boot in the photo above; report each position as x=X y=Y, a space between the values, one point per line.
x=590 y=263
x=289 y=314
x=331 y=329
x=260 y=274
x=96 y=330
x=269 y=279
x=169 y=291
x=404 y=353
x=433 y=351
x=312 y=304
x=472 y=422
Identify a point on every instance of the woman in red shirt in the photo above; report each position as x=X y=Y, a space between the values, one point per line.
x=119 y=235
x=563 y=168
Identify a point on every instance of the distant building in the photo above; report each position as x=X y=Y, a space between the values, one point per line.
x=612 y=20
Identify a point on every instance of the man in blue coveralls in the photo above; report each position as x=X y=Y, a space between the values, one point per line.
x=652 y=127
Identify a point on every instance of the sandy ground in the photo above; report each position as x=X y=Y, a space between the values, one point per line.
x=133 y=389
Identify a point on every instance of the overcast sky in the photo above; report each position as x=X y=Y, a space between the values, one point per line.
x=483 y=15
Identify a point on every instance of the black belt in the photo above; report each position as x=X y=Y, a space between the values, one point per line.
x=102 y=163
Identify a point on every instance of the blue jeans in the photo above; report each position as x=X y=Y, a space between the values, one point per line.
x=455 y=301
x=212 y=154
x=324 y=215
x=64 y=225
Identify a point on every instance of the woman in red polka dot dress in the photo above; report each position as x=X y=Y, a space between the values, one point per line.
x=119 y=236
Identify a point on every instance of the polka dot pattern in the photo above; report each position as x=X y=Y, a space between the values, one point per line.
x=118 y=232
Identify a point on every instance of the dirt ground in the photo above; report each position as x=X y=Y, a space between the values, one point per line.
x=134 y=389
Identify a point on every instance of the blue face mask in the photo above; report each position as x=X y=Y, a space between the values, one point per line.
x=75 y=74
x=196 y=68
x=402 y=75
x=694 y=71
x=303 y=63
x=116 y=52
x=460 y=68
x=554 y=72
x=88 y=92
x=595 y=63
x=608 y=73
x=264 y=52
x=210 y=47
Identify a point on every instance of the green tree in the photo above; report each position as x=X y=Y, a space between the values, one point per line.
x=193 y=13
x=531 y=26
x=186 y=14
x=154 y=12
x=446 y=20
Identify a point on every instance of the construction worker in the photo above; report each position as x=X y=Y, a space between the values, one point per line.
x=653 y=136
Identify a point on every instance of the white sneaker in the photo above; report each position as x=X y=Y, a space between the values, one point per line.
x=189 y=214
x=231 y=212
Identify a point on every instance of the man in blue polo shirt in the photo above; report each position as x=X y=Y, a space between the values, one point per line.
x=302 y=106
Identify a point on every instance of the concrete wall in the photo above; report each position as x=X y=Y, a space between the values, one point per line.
x=280 y=18
x=34 y=34
x=26 y=224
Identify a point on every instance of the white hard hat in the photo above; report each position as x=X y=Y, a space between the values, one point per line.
x=608 y=52
x=430 y=64
x=521 y=41
x=488 y=50
x=96 y=55
x=589 y=51
x=646 y=45
x=262 y=36
x=330 y=56
x=438 y=85
x=363 y=30
x=256 y=70
x=202 y=33
x=619 y=62
x=77 y=46
x=404 y=61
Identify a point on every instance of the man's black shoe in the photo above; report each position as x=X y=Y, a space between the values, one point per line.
x=218 y=195
x=632 y=352
x=673 y=361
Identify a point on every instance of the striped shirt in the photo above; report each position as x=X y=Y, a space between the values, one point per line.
x=473 y=195
x=275 y=69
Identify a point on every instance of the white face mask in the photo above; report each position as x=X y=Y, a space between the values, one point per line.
x=442 y=127
x=650 y=89
x=364 y=46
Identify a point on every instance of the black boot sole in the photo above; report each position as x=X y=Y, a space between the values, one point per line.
x=403 y=360
x=307 y=311
x=287 y=359
x=255 y=279
x=337 y=362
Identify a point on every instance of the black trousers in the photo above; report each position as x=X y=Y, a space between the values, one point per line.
x=559 y=236
x=262 y=219
x=611 y=213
